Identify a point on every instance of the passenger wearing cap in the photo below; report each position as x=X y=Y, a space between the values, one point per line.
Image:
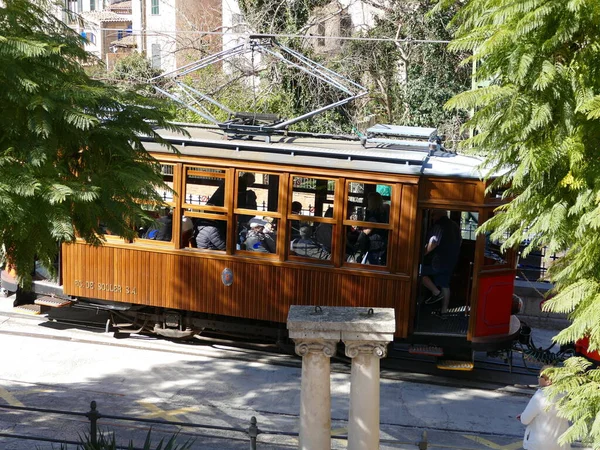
x=260 y=238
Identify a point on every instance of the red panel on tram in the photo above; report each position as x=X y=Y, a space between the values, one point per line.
x=581 y=347
x=494 y=304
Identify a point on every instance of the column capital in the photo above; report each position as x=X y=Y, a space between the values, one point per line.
x=306 y=346
x=354 y=348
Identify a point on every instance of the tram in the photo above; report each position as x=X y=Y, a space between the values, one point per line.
x=303 y=187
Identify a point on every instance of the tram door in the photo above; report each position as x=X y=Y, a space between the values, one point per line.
x=495 y=282
x=448 y=242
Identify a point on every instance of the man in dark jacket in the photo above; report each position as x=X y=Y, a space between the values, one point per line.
x=209 y=235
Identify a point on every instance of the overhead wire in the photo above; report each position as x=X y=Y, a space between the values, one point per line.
x=236 y=35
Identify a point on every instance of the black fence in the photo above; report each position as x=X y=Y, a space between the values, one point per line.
x=534 y=266
x=93 y=415
x=249 y=434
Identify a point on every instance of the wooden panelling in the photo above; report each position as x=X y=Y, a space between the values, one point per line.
x=191 y=282
x=463 y=191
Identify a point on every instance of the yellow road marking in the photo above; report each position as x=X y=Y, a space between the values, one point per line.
x=9 y=398
x=34 y=391
x=339 y=431
x=167 y=415
x=490 y=444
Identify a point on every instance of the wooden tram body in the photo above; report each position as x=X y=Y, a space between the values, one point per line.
x=175 y=288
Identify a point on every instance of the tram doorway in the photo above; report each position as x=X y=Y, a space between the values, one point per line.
x=448 y=241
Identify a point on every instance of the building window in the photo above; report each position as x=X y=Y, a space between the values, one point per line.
x=321 y=32
x=155 y=10
x=92 y=5
x=91 y=37
x=71 y=12
x=345 y=26
x=156 y=63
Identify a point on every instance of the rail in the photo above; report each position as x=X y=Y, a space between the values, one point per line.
x=251 y=433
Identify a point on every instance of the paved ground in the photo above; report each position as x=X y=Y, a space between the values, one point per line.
x=66 y=368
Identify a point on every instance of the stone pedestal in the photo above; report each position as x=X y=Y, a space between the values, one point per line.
x=316 y=331
x=363 y=418
x=315 y=397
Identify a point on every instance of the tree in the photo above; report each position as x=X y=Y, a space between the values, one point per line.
x=71 y=158
x=287 y=91
x=538 y=123
x=410 y=81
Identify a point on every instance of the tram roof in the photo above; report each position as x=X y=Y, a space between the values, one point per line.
x=304 y=149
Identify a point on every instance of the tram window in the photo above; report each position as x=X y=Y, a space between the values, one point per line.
x=162 y=228
x=259 y=236
x=366 y=232
x=204 y=186
x=311 y=238
x=369 y=202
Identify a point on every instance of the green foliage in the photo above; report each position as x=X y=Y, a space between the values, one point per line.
x=537 y=122
x=70 y=156
x=108 y=442
x=274 y=16
x=409 y=82
x=133 y=72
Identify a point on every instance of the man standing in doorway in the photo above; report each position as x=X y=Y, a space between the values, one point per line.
x=441 y=255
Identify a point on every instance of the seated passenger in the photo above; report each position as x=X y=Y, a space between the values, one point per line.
x=260 y=237
x=367 y=245
x=305 y=245
x=209 y=235
x=162 y=230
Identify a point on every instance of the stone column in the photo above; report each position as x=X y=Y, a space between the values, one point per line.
x=363 y=421
x=315 y=397
x=316 y=331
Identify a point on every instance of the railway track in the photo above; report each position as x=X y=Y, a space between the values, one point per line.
x=489 y=374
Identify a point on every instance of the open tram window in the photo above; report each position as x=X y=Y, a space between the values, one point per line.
x=311 y=222
x=366 y=226
x=161 y=230
x=257 y=211
x=204 y=221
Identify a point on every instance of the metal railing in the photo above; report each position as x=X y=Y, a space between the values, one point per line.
x=94 y=416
